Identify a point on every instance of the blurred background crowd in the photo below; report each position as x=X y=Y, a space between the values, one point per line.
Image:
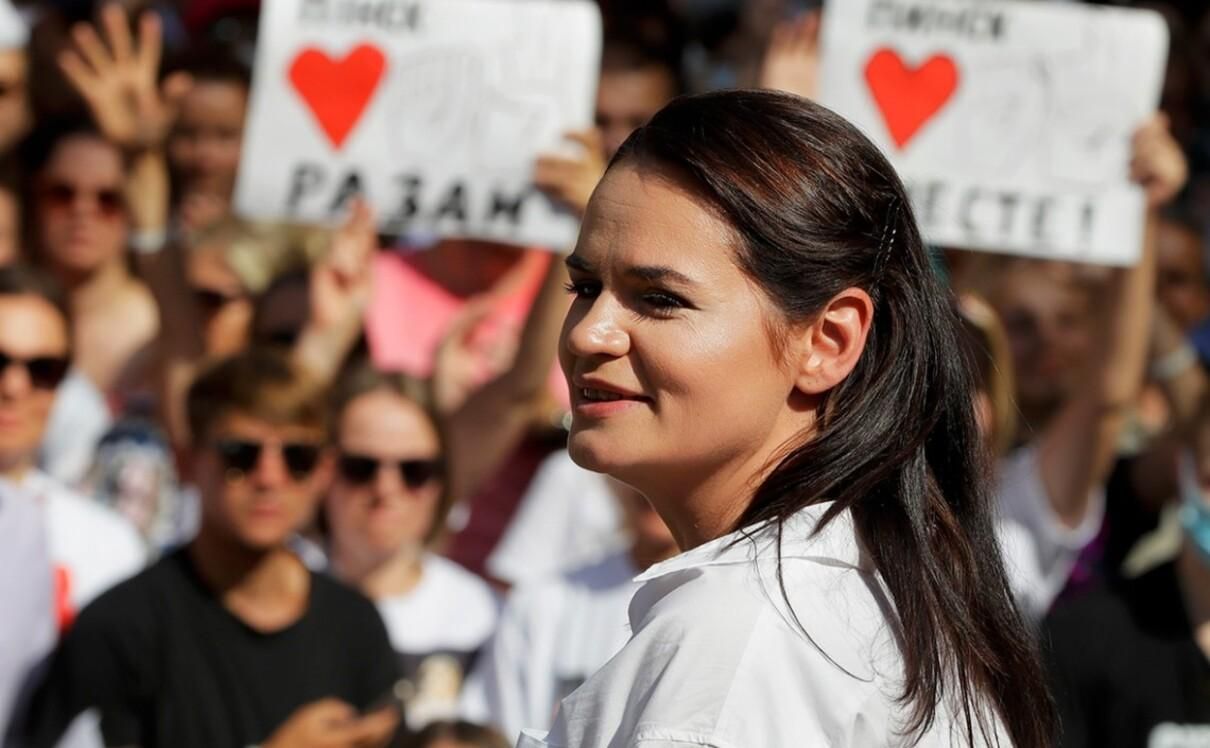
x=172 y=375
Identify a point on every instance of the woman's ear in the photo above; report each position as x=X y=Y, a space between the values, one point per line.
x=833 y=342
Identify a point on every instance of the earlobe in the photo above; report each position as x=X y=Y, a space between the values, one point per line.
x=834 y=341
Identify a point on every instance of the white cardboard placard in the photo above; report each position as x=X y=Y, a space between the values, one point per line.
x=1010 y=122
x=433 y=109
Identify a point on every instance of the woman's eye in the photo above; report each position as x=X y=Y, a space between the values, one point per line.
x=662 y=300
x=583 y=289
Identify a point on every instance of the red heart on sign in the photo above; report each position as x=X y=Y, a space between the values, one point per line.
x=337 y=91
x=908 y=98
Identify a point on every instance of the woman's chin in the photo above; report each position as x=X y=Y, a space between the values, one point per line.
x=591 y=452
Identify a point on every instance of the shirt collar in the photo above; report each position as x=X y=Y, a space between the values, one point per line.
x=834 y=544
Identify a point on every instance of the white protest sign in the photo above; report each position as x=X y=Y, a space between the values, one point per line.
x=1010 y=122
x=433 y=109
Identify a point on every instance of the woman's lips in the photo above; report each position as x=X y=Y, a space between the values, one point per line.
x=597 y=402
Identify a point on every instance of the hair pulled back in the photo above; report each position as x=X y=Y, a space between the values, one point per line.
x=816 y=209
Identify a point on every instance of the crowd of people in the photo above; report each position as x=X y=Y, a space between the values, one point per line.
x=282 y=485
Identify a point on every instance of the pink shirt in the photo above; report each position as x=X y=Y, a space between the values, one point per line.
x=409 y=315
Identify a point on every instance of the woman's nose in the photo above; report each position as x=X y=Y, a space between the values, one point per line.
x=597 y=331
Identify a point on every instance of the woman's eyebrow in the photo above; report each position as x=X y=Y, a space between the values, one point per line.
x=649 y=273
x=659 y=273
x=575 y=262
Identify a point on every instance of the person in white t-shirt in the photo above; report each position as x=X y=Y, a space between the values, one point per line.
x=387 y=505
x=568 y=519
x=90 y=547
x=556 y=632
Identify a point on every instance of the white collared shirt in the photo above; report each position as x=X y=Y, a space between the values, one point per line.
x=717 y=660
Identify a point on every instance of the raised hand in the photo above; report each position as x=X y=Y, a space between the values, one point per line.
x=340 y=282
x=464 y=360
x=570 y=181
x=1158 y=164
x=118 y=77
x=791 y=62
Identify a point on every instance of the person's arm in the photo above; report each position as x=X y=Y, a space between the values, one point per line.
x=179 y=345
x=1176 y=369
x=489 y=424
x=340 y=288
x=1076 y=449
x=117 y=76
x=485 y=429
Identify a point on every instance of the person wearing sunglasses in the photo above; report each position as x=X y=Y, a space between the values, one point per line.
x=232 y=640
x=90 y=546
x=385 y=510
x=79 y=225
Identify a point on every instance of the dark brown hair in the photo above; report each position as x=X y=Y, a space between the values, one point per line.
x=24 y=280
x=816 y=209
x=362 y=378
x=258 y=383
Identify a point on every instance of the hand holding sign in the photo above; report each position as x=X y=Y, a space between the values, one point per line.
x=1158 y=164
x=571 y=181
x=118 y=79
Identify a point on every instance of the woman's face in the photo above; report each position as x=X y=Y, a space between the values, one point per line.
x=377 y=513
x=80 y=211
x=1048 y=323
x=224 y=303
x=205 y=147
x=668 y=345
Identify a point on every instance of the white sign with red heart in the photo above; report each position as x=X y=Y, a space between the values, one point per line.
x=435 y=110
x=1010 y=122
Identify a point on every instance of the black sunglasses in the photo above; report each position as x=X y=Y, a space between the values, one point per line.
x=360 y=470
x=110 y=202
x=211 y=301
x=44 y=372
x=243 y=455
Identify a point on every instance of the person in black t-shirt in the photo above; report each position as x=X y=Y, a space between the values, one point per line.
x=1130 y=664
x=231 y=641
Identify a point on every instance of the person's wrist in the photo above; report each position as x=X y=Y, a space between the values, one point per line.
x=148 y=241
x=1176 y=362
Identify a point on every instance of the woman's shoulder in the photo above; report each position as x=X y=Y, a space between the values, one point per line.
x=724 y=675
x=811 y=662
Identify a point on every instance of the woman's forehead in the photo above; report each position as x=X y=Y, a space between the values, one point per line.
x=643 y=216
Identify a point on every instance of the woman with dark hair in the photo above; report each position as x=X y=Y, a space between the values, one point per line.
x=758 y=345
